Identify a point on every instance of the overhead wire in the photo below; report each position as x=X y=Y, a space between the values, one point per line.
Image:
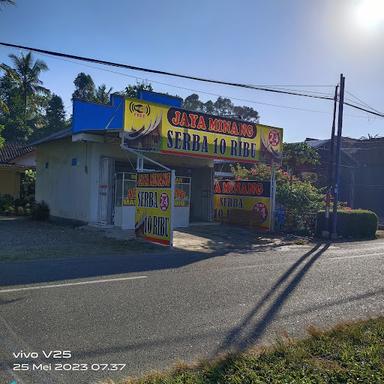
x=255 y=102
x=190 y=77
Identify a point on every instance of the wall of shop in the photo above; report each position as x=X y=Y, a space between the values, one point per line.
x=62 y=178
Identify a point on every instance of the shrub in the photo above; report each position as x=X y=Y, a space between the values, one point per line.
x=40 y=211
x=300 y=200
x=20 y=211
x=351 y=223
x=6 y=201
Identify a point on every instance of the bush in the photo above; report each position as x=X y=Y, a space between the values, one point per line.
x=40 y=211
x=6 y=201
x=352 y=223
x=299 y=200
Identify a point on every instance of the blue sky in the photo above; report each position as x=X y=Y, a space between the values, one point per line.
x=276 y=42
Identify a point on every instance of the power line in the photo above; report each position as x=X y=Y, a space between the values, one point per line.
x=363 y=103
x=200 y=91
x=159 y=72
x=194 y=90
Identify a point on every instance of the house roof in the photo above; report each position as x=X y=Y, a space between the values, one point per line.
x=10 y=151
x=54 y=136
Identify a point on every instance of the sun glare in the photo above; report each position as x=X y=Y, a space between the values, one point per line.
x=370 y=13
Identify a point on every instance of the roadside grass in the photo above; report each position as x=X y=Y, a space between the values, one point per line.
x=348 y=353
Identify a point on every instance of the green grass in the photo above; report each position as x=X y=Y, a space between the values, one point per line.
x=349 y=353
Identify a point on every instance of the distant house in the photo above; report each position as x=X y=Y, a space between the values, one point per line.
x=15 y=158
x=361 y=171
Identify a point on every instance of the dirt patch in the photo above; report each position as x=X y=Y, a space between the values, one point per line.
x=25 y=239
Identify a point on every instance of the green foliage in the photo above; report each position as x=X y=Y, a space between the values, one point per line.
x=40 y=211
x=300 y=199
x=299 y=154
x=222 y=106
x=6 y=201
x=24 y=96
x=1 y=137
x=28 y=181
x=349 y=353
x=84 y=87
x=132 y=91
x=12 y=206
x=102 y=95
x=351 y=223
x=54 y=119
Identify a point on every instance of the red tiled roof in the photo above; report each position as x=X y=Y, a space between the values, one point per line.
x=10 y=151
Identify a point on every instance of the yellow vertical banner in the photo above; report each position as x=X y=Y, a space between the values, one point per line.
x=154 y=206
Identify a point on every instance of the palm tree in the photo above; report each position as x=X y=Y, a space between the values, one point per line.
x=25 y=77
x=2 y=2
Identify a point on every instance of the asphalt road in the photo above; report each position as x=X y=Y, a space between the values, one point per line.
x=150 y=311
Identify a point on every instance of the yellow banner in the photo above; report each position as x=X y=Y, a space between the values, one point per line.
x=165 y=129
x=154 y=207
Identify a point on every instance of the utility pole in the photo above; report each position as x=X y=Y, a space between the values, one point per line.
x=326 y=233
x=337 y=163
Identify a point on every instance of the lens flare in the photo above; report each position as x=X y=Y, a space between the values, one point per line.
x=370 y=13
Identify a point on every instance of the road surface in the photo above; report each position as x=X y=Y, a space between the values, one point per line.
x=148 y=312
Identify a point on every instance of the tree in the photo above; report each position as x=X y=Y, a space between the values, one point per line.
x=4 y=2
x=1 y=137
x=193 y=103
x=102 y=94
x=246 y=113
x=132 y=91
x=55 y=114
x=25 y=78
x=85 y=87
x=16 y=126
x=296 y=155
x=54 y=119
x=222 y=107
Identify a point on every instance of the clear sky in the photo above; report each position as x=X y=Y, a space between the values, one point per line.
x=275 y=42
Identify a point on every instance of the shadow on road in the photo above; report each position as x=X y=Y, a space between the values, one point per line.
x=250 y=329
x=79 y=254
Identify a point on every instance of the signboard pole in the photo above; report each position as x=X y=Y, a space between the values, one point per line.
x=173 y=183
x=273 y=197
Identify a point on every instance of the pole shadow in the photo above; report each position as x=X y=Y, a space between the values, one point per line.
x=240 y=337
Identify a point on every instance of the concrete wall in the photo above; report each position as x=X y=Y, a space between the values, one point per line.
x=72 y=190
x=9 y=182
x=62 y=178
